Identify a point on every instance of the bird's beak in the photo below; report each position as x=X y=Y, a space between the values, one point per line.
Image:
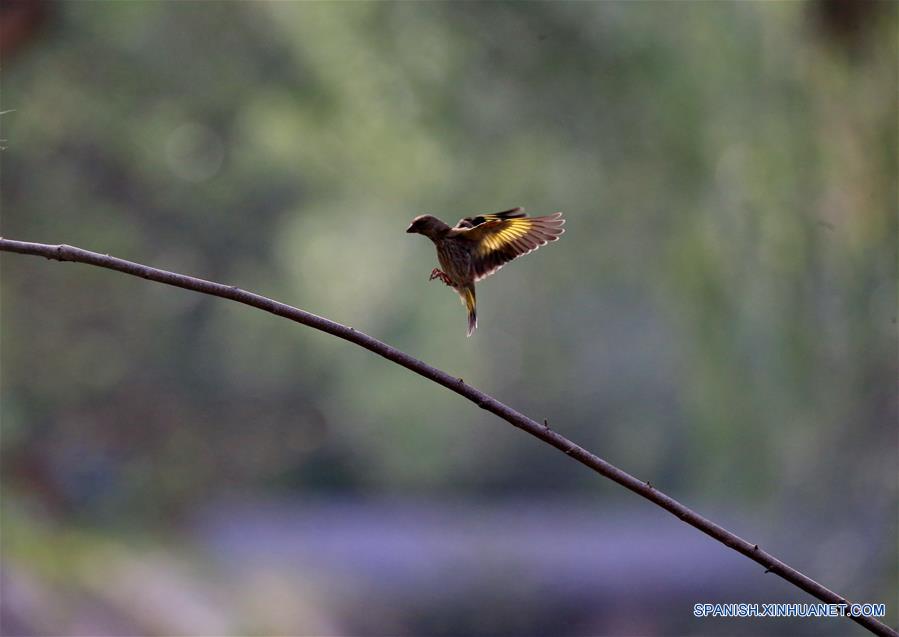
x=409 y=230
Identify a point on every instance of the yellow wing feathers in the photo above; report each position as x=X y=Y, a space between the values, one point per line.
x=505 y=236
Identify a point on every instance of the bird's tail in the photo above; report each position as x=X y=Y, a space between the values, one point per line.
x=471 y=304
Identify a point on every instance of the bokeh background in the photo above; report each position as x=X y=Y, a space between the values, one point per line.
x=719 y=319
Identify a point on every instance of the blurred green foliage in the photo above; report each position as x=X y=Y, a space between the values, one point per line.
x=720 y=317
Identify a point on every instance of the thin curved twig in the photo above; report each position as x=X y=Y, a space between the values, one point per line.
x=482 y=400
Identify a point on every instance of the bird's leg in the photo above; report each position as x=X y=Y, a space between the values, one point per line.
x=438 y=274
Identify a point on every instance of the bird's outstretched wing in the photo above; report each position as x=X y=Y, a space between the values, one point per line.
x=506 y=235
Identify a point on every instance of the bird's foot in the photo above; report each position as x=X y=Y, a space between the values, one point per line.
x=438 y=274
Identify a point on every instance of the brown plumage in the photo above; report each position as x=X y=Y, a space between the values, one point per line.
x=479 y=246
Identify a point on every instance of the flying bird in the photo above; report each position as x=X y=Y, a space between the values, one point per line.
x=476 y=247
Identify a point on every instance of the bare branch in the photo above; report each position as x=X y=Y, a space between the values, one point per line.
x=482 y=400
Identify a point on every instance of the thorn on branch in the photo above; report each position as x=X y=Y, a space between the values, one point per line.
x=649 y=484
x=546 y=423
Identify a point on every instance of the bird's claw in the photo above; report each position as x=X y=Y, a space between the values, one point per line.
x=438 y=274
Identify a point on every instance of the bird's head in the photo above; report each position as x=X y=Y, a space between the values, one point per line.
x=428 y=225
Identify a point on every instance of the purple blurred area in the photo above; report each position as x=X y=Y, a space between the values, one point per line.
x=347 y=566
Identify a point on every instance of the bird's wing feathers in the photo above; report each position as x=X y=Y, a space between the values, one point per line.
x=471 y=222
x=506 y=235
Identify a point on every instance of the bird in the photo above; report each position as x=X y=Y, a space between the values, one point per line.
x=478 y=246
